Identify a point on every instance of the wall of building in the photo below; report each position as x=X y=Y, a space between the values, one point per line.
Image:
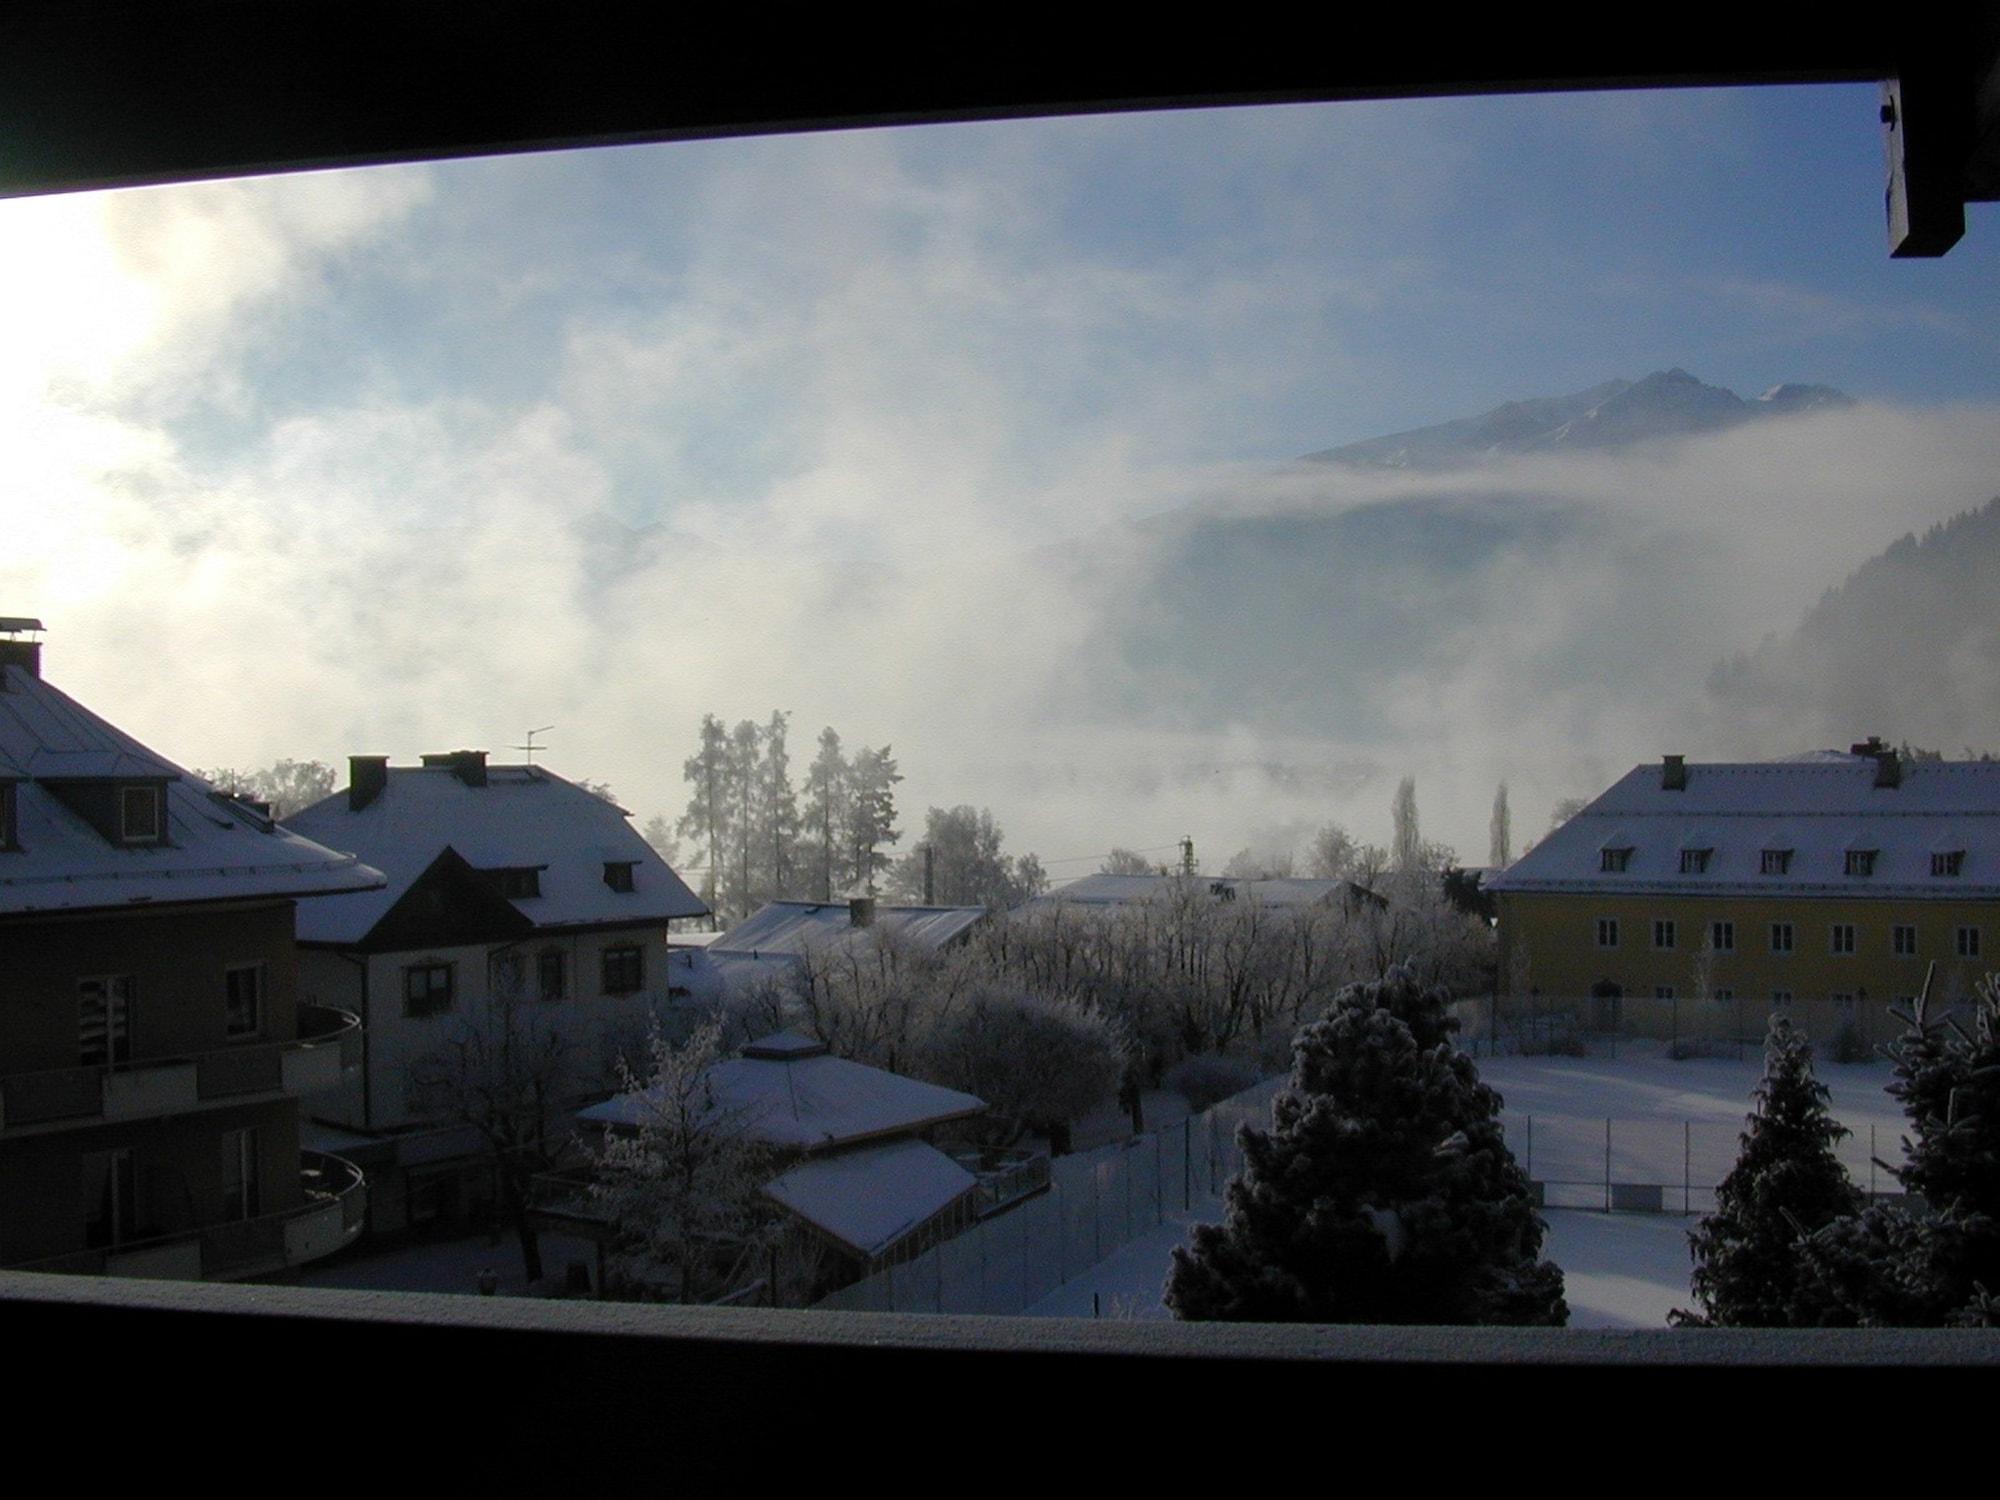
x=177 y=962
x=178 y=1172
x=1549 y=950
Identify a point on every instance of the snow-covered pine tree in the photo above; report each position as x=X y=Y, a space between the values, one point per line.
x=1384 y=1191
x=1786 y=1182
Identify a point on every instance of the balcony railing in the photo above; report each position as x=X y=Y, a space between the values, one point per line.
x=332 y=1216
x=1006 y=1175
x=326 y=1049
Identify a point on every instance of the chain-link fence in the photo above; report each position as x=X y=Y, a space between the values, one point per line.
x=1844 y=1028
x=1097 y=1202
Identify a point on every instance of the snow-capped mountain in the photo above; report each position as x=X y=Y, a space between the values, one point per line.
x=1666 y=404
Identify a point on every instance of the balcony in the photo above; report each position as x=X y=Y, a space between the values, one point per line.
x=327 y=1049
x=331 y=1218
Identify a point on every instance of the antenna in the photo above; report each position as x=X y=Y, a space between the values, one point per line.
x=531 y=747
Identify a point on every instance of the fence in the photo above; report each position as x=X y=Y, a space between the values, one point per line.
x=1097 y=1202
x=1850 y=1029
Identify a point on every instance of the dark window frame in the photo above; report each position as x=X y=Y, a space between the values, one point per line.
x=260 y=984
x=429 y=1004
x=623 y=969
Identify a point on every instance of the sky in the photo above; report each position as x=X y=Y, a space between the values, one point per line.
x=417 y=457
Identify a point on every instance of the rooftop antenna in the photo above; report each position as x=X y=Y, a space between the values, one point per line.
x=531 y=747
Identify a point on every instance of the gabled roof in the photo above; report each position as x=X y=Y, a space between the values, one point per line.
x=870 y=1198
x=522 y=817
x=809 y=1101
x=215 y=849
x=789 y=929
x=1819 y=807
x=1124 y=890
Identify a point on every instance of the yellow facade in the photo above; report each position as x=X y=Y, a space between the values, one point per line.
x=1842 y=963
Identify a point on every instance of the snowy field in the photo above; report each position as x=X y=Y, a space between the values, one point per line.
x=1623 y=1270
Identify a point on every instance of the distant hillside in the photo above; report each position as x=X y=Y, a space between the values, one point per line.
x=1908 y=647
x=1618 y=413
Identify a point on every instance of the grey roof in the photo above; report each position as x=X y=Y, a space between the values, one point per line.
x=1819 y=808
x=870 y=1198
x=1123 y=890
x=812 y=1102
x=790 y=929
x=524 y=816
x=216 y=849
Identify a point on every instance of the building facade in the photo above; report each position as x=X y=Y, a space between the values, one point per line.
x=154 y=1047
x=518 y=907
x=1700 y=899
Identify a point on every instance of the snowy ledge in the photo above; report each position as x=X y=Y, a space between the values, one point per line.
x=60 y=1306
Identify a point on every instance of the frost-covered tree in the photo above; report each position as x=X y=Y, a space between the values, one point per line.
x=289 y=786
x=683 y=1190
x=1406 y=847
x=1500 y=833
x=1038 y=1062
x=828 y=787
x=1261 y=864
x=1940 y=1265
x=1384 y=1191
x=778 y=811
x=1126 y=862
x=967 y=866
x=661 y=836
x=1787 y=1182
x=742 y=889
x=871 y=813
x=706 y=820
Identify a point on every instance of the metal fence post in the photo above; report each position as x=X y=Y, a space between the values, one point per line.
x=1187 y=1163
x=1607 y=1163
x=1159 y=1177
x=1687 y=1169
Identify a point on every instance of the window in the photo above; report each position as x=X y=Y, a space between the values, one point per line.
x=427 y=989
x=139 y=814
x=1968 y=942
x=1861 y=861
x=1663 y=992
x=1722 y=936
x=242 y=1192
x=1613 y=860
x=1781 y=1000
x=243 y=999
x=1843 y=938
x=1843 y=1004
x=1905 y=939
x=110 y=1198
x=1695 y=861
x=1722 y=994
x=104 y=1020
x=624 y=970
x=1776 y=861
x=1607 y=932
x=1781 y=937
x=618 y=874
x=1949 y=862
x=1663 y=934
x=520 y=883
x=550 y=969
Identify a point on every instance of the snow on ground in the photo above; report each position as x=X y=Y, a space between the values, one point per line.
x=429 y=1266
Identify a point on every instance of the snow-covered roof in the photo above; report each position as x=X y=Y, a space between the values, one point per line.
x=789 y=929
x=870 y=1198
x=1820 y=808
x=215 y=849
x=521 y=817
x=811 y=1102
x=1123 y=890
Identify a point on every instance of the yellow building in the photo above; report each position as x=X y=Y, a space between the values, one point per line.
x=1693 y=900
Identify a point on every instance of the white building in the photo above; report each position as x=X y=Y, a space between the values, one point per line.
x=506 y=885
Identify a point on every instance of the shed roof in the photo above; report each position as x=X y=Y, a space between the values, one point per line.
x=870 y=1198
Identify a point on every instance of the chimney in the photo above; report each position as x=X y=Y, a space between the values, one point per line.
x=861 y=911
x=1673 y=773
x=469 y=766
x=367 y=779
x=1888 y=769
x=16 y=650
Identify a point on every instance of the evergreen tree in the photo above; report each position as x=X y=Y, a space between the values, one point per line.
x=778 y=811
x=967 y=867
x=742 y=889
x=871 y=814
x=1787 y=1182
x=827 y=790
x=706 y=820
x=1407 y=845
x=1500 y=846
x=1384 y=1191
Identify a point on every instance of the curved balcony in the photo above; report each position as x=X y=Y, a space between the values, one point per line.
x=331 y=1217
x=326 y=1050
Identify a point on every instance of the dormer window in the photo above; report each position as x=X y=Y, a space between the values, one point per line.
x=139 y=814
x=1776 y=862
x=1947 y=861
x=618 y=874
x=519 y=883
x=1614 y=861
x=1695 y=861
x=1861 y=861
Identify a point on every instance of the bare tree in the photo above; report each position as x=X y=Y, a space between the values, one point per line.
x=507 y=1074
x=1500 y=847
x=1038 y=1062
